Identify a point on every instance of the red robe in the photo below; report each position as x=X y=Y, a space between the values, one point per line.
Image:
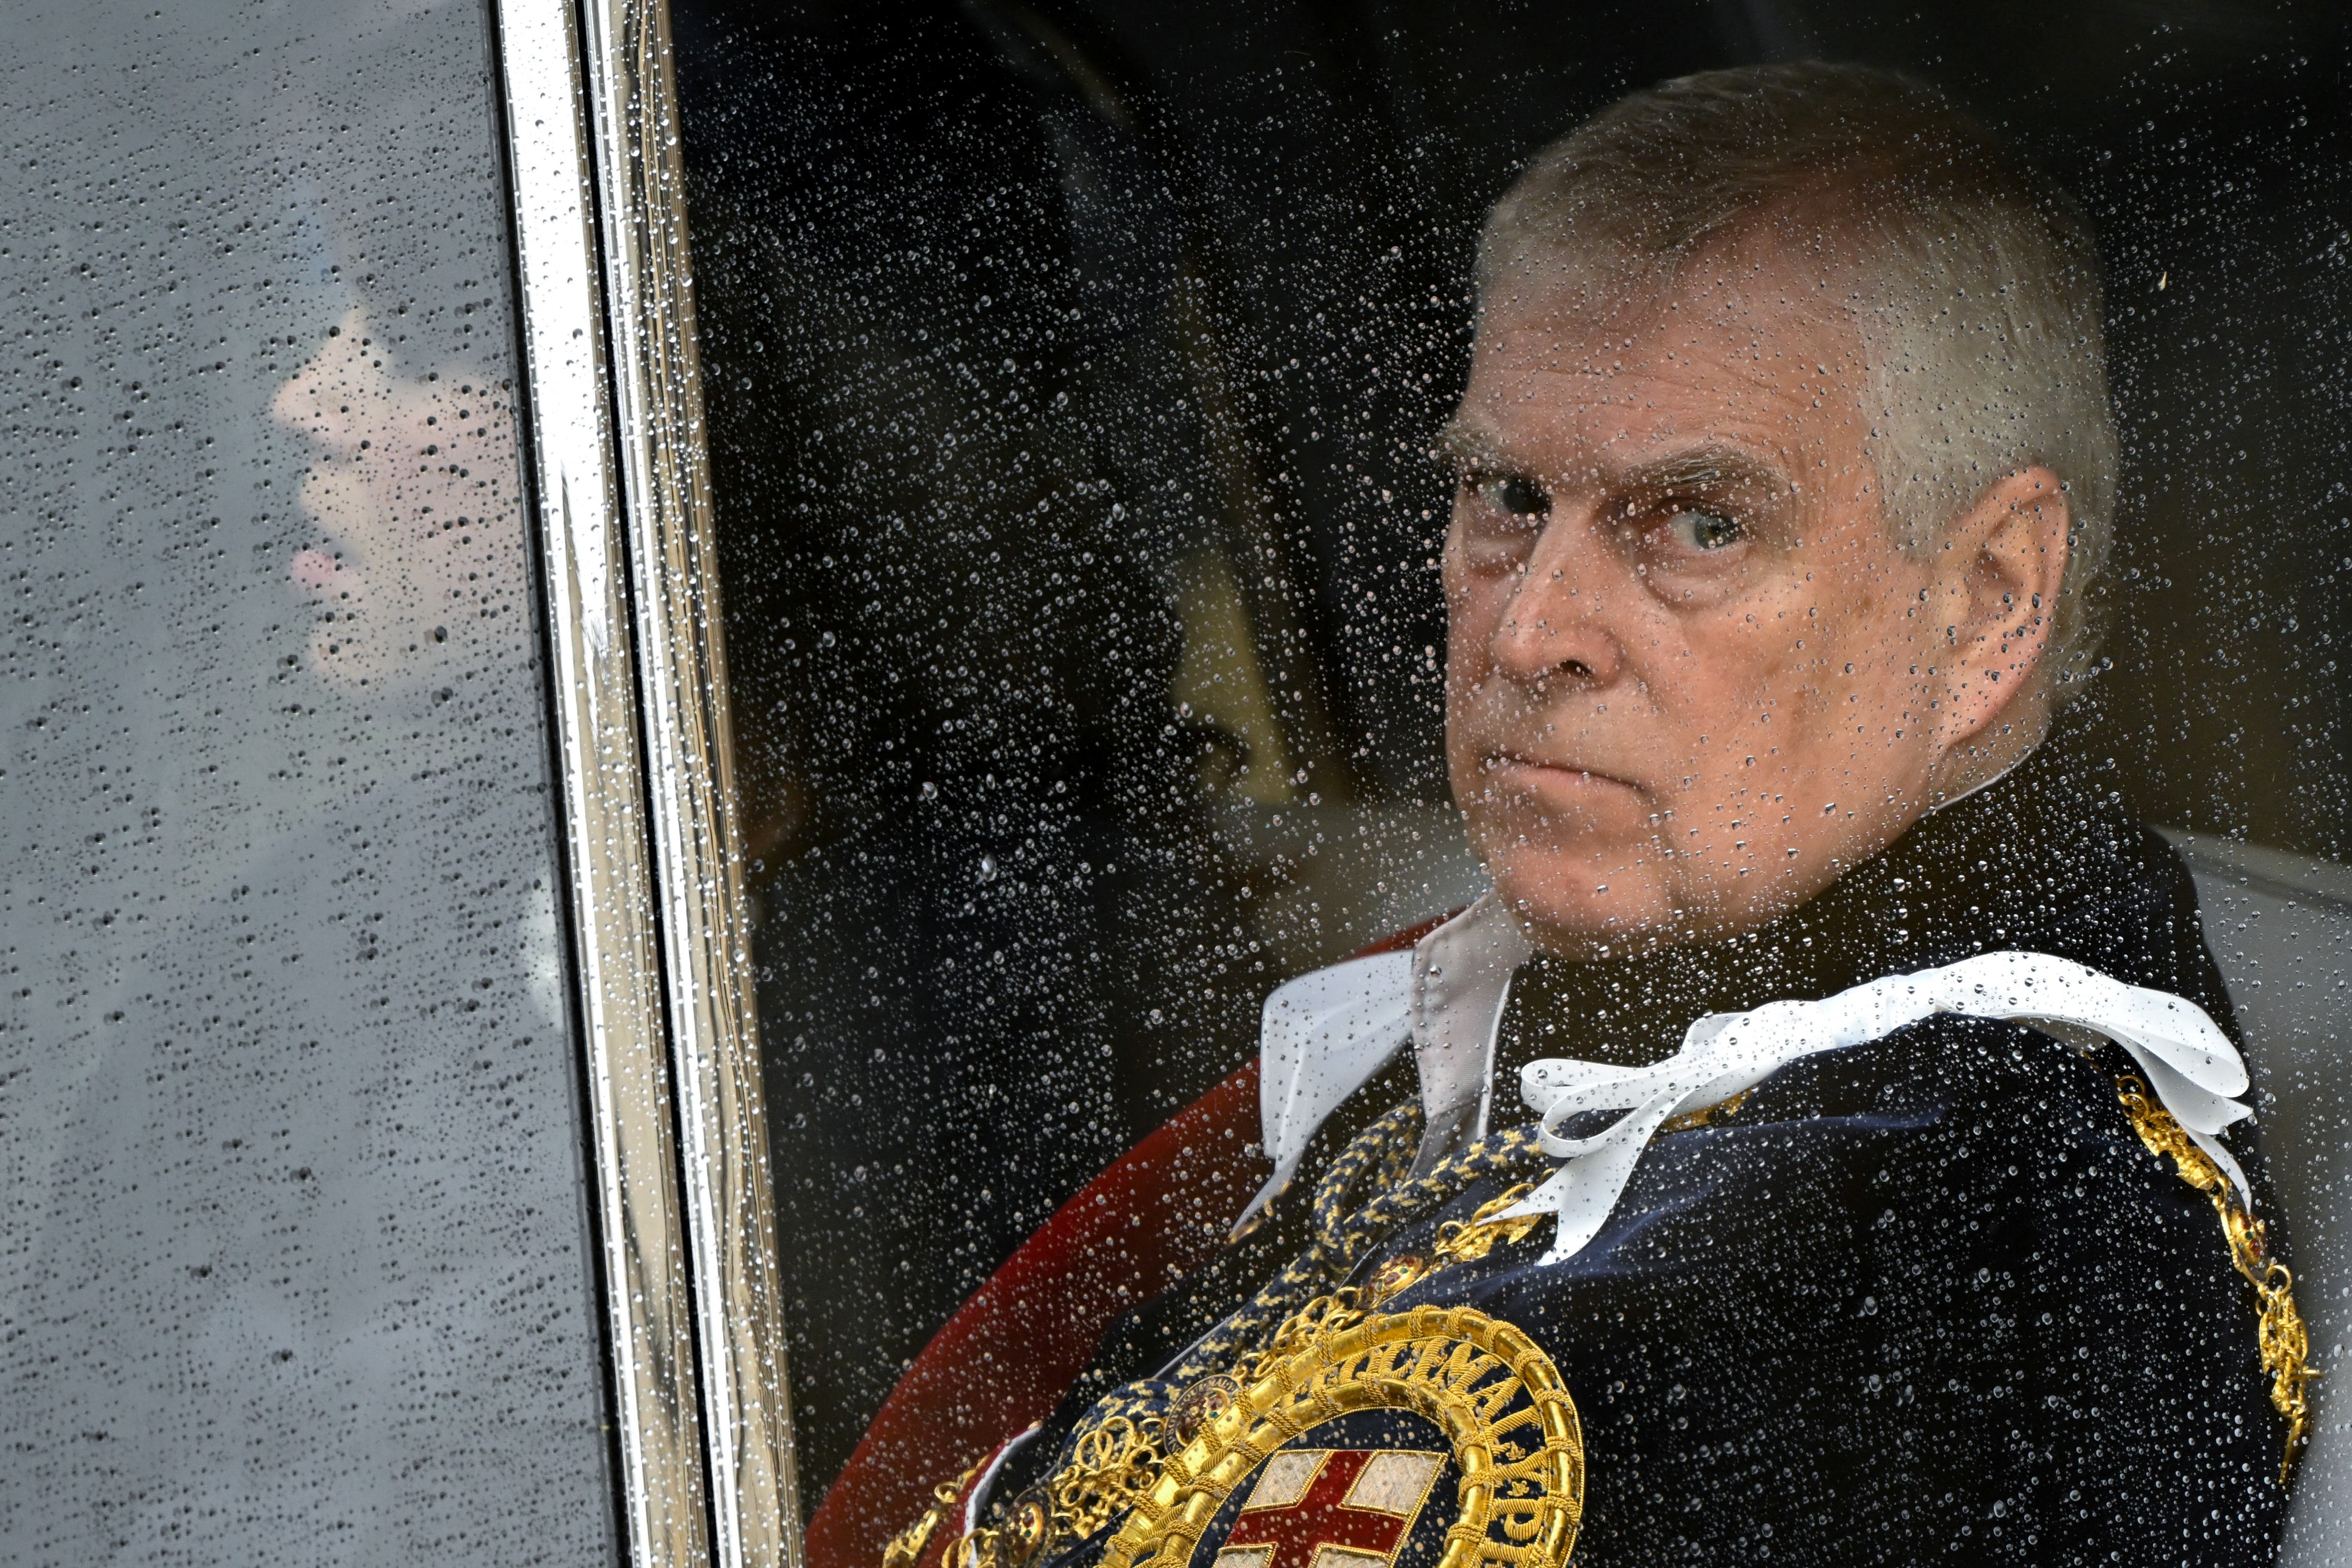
x=1000 y=1365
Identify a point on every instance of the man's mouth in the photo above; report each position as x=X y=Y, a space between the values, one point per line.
x=1554 y=781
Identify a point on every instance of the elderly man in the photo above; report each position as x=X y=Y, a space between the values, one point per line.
x=1874 y=1197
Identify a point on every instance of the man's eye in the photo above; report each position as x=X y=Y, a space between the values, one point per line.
x=1703 y=530
x=1516 y=494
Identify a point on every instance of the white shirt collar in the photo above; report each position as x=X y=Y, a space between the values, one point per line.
x=1324 y=1035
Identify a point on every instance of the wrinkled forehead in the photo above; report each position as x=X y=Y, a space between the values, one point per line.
x=1749 y=335
x=1780 y=279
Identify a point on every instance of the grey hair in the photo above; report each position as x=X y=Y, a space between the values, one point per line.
x=1978 y=293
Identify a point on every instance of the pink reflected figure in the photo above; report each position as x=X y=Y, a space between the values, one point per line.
x=414 y=488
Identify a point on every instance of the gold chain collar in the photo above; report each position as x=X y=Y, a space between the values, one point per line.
x=1116 y=1464
x=2285 y=1342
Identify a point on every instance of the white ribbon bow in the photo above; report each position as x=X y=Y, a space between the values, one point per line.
x=2189 y=1063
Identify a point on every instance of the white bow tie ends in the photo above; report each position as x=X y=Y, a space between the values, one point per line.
x=2189 y=1063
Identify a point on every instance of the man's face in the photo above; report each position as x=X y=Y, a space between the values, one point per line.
x=1688 y=677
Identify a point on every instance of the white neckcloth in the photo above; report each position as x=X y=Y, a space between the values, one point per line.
x=2189 y=1063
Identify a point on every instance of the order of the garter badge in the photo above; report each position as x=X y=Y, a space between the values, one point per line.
x=1437 y=1437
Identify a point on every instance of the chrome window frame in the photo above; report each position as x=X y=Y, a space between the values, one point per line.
x=637 y=669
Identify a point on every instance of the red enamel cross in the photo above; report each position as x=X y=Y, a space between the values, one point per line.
x=1298 y=1532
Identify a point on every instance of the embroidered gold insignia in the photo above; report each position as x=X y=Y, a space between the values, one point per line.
x=1514 y=1446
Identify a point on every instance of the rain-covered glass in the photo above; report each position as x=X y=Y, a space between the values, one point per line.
x=296 y=1268
x=1082 y=385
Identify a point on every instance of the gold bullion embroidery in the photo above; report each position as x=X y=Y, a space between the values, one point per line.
x=1028 y=1527
x=1461 y=1241
x=1705 y=1115
x=1113 y=1469
x=2285 y=1342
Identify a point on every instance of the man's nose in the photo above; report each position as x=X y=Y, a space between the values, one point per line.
x=1556 y=626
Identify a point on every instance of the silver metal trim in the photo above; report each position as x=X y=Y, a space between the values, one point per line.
x=698 y=866
x=641 y=1238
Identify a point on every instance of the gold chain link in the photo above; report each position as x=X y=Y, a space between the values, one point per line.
x=2284 y=1342
x=1464 y=1241
x=905 y=1548
x=1111 y=1469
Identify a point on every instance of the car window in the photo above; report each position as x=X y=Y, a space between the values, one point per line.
x=1085 y=397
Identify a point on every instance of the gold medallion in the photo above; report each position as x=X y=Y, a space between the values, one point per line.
x=1511 y=1428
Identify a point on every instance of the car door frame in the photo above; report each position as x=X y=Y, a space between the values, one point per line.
x=636 y=669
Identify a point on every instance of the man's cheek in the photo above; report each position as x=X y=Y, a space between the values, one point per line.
x=1472 y=608
x=1469 y=679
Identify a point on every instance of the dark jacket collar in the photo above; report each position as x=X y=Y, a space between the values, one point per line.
x=2040 y=860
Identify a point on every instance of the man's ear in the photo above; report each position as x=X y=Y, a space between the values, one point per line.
x=1999 y=574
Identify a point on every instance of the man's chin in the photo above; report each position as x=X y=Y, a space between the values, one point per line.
x=1583 y=906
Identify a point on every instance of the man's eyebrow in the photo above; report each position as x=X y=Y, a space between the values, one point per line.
x=1470 y=444
x=1467 y=442
x=1701 y=466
